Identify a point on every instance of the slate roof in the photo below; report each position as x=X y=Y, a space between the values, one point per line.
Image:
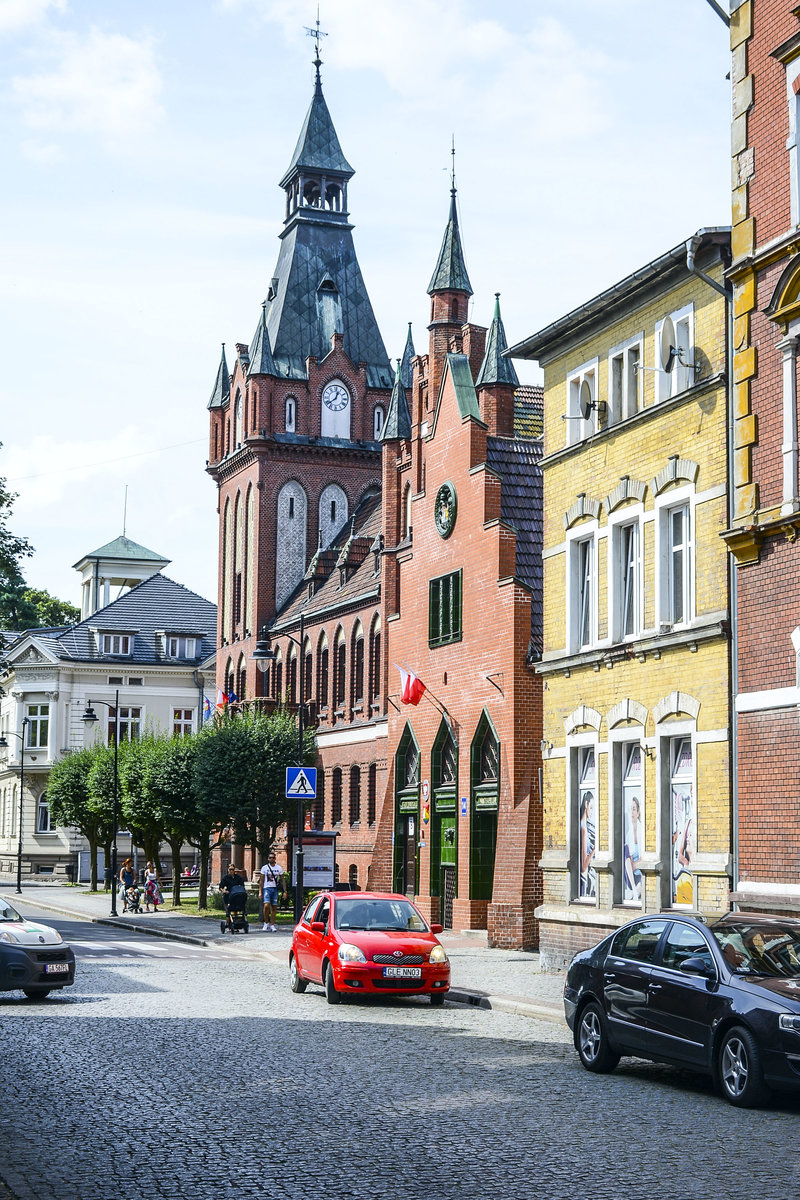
x=518 y=463
x=495 y=368
x=529 y=411
x=464 y=388
x=157 y=603
x=450 y=273
x=363 y=583
x=398 y=419
x=318 y=146
x=406 y=367
x=222 y=384
x=312 y=249
x=261 y=360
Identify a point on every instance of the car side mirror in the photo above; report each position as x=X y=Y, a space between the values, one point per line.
x=317 y=926
x=437 y=928
x=696 y=964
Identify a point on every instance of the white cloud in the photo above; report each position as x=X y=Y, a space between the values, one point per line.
x=19 y=14
x=103 y=84
x=43 y=153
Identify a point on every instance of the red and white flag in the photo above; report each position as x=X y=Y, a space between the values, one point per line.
x=412 y=689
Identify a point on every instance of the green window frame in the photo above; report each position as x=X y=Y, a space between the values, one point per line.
x=444 y=609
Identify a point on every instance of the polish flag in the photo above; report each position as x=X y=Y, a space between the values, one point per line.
x=412 y=689
x=222 y=698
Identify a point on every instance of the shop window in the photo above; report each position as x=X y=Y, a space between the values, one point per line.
x=683 y=820
x=585 y=758
x=630 y=793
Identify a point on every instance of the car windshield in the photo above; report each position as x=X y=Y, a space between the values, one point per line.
x=356 y=913
x=760 y=948
x=7 y=913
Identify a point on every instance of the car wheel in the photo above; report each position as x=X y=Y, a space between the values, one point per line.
x=331 y=994
x=36 y=993
x=591 y=1041
x=739 y=1064
x=297 y=983
x=437 y=999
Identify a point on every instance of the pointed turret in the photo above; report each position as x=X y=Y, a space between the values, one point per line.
x=495 y=368
x=406 y=367
x=261 y=360
x=450 y=274
x=318 y=146
x=397 y=426
x=222 y=385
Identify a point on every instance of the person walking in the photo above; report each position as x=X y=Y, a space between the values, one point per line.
x=127 y=878
x=152 y=892
x=272 y=876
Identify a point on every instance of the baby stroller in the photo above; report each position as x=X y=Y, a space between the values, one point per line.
x=236 y=909
x=132 y=897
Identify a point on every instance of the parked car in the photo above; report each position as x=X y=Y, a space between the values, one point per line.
x=374 y=943
x=722 y=998
x=33 y=957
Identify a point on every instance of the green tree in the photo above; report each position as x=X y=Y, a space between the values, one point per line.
x=71 y=803
x=168 y=785
x=101 y=791
x=140 y=811
x=50 y=611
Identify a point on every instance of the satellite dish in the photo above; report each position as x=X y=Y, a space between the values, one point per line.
x=585 y=403
x=669 y=352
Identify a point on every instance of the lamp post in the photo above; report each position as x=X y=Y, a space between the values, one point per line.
x=4 y=746
x=263 y=656
x=90 y=716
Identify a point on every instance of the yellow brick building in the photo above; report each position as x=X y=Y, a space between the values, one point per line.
x=636 y=664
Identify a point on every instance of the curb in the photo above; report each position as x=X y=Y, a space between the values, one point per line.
x=507 y=1004
x=116 y=923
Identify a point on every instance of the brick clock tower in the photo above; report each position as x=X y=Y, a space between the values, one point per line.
x=295 y=424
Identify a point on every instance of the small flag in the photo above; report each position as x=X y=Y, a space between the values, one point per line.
x=206 y=708
x=222 y=698
x=232 y=698
x=412 y=689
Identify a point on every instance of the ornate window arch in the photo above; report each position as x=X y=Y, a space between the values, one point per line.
x=290 y=556
x=357 y=664
x=333 y=513
x=339 y=668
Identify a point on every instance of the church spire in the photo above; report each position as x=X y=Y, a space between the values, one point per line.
x=261 y=360
x=450 y=273
x=495 y=368
x=397 y=426
x=222 y=384
x=406 y=368
x=317 y=150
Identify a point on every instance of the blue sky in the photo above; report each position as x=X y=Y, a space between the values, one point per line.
x=143 y=144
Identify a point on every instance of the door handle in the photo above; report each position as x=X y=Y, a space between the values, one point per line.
x=655 y=987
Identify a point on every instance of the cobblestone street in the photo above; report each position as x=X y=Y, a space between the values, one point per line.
x=176 y=1071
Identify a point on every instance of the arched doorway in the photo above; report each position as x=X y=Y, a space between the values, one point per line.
x=406 y=808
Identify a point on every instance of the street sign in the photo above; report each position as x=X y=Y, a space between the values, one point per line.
x=301 y=781
x=463 y=806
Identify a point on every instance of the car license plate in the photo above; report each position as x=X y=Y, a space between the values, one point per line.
x=56 y=968
x=402 y=972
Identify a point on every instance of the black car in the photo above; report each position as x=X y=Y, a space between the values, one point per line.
x=722 y=998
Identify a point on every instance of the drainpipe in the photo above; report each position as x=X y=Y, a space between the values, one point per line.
x=691 y=249
x=199 y=683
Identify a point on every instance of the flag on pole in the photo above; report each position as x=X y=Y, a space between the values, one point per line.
x=412 y=689
x=222 y=698
x=206 y=708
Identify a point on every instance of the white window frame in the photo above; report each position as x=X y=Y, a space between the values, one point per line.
x=579 y=748
x=124 y=640
x=793 y=102
x=42 y=806
x=670 y=736
x=628 y=399
x=628 y=517
x=38 y=725
x=682 y=374
x=182 y=726
x=126 y=721
x=623 y=790
x=666 y=505
x=179 y=646
x=584 y=535
x=577 y=430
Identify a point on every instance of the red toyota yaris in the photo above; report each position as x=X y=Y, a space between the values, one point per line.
x=368 y=942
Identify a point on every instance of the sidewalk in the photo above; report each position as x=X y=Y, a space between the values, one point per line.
x=504 y=980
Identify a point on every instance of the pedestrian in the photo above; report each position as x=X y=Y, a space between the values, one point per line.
x=127 y=878
x=272 y=883
x=232 y=883
x=152 y=892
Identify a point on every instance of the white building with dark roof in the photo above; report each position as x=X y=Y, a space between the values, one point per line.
x=154 y=644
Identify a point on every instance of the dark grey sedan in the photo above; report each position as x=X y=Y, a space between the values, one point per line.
x=722 y=998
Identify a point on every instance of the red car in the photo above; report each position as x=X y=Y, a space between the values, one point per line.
x=368 y=942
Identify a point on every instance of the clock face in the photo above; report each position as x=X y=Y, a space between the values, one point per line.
x=444 y=512
x=336 y=397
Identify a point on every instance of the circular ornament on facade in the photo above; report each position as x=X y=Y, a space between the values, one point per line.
x=336 y=397
x=444 y=511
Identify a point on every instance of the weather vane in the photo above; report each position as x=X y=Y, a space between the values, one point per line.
x=316 y=33
x=453 y=163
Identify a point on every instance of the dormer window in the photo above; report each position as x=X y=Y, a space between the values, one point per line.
x=181 y=647
x=115 y=643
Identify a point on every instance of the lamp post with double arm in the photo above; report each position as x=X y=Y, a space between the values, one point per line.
x=4 y=746
x=263 y=656
x=90 y=717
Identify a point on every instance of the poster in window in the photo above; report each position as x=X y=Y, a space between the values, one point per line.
x=587 y=826
x=632 y=824
x=683 y=823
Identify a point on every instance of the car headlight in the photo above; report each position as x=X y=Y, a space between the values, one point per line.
x=6 y=936
x=789 y=1022
x=351 y=953
x=438 y=955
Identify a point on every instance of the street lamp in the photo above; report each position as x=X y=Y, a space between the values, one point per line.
x=90 y=716
x=262 y=656
x=4 y=746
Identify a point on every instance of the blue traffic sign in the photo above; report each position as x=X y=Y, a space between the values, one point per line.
x=301 y=781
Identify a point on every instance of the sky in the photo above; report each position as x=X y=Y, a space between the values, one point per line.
x=143 y=142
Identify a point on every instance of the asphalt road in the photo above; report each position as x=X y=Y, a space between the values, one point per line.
x=181 y=1072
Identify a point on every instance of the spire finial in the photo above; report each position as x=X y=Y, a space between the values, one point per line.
x=453 y=163
x=316 y=34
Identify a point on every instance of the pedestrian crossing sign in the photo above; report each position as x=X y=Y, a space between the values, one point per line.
x=301 y=781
